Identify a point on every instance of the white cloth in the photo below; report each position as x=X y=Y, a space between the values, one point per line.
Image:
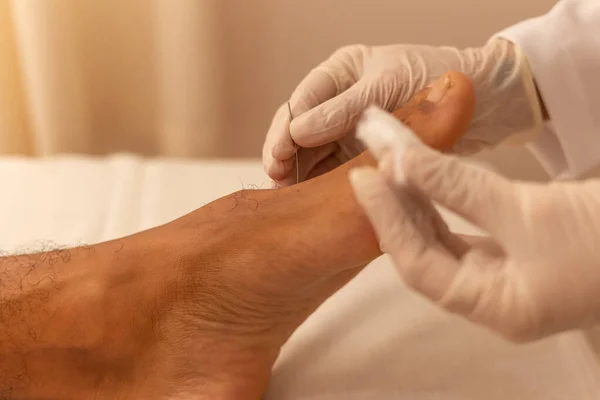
x=563 y=48
x=373 y=340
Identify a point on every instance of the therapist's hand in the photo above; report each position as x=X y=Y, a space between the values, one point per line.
x=328 y=102
x=539 y=271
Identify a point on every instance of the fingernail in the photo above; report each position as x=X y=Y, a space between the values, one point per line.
x=438 y=89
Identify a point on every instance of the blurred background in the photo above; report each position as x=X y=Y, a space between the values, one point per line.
x=200 y=78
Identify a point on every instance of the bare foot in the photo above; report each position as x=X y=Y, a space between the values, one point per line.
x=310 y=239
x=297 y=245
x=199 y=307
x=330 y=199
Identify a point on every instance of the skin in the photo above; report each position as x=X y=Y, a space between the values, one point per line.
x=201 y=306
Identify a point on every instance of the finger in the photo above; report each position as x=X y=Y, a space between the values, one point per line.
x=324 y=82
x=454 y=243
x=278 y=144
x=485 y=293
x=282 y=173
x=330 y=79
x=279 y=153
x=308 y=160
x=406 y=232
x=480 y=196
x=317 y=87
x=281 y=143
x=485 y=243
x=331 y=120
x=474 y=286
x=282 y=148
x=482 y=292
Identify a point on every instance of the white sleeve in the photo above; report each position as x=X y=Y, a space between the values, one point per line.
x=563 y=49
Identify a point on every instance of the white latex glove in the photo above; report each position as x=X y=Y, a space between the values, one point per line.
x=539 y=271
x=328 y=102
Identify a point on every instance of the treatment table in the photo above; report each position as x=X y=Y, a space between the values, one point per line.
x=374 y=339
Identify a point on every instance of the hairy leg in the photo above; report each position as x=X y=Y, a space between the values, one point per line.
x=199 y=307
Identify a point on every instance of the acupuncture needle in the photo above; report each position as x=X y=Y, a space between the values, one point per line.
x=295 y=145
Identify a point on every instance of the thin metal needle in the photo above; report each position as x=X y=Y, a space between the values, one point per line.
x=295 y=145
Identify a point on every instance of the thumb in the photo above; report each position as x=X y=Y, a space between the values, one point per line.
x=334 y=77
x=325 y=82
x=472 y=284
x=333 y=119
x=484 y=198
x=406 y=229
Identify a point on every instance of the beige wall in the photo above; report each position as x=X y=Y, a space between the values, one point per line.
x=199 y=78
x=270 y=45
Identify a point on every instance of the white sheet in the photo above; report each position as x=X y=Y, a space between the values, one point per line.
x=373 y=340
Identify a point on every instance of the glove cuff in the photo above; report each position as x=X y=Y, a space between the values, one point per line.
x=531 y=133
x=508 y=110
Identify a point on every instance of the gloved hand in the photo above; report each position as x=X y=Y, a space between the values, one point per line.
x=539 y=271
x=328 y=102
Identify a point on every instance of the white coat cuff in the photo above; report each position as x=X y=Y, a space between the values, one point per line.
x=571 y=146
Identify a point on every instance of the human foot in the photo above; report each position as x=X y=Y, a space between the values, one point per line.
x=201 y=306
x=302 y=243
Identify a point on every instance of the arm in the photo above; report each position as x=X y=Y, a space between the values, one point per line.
x=200 y=306
x=563 y=50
